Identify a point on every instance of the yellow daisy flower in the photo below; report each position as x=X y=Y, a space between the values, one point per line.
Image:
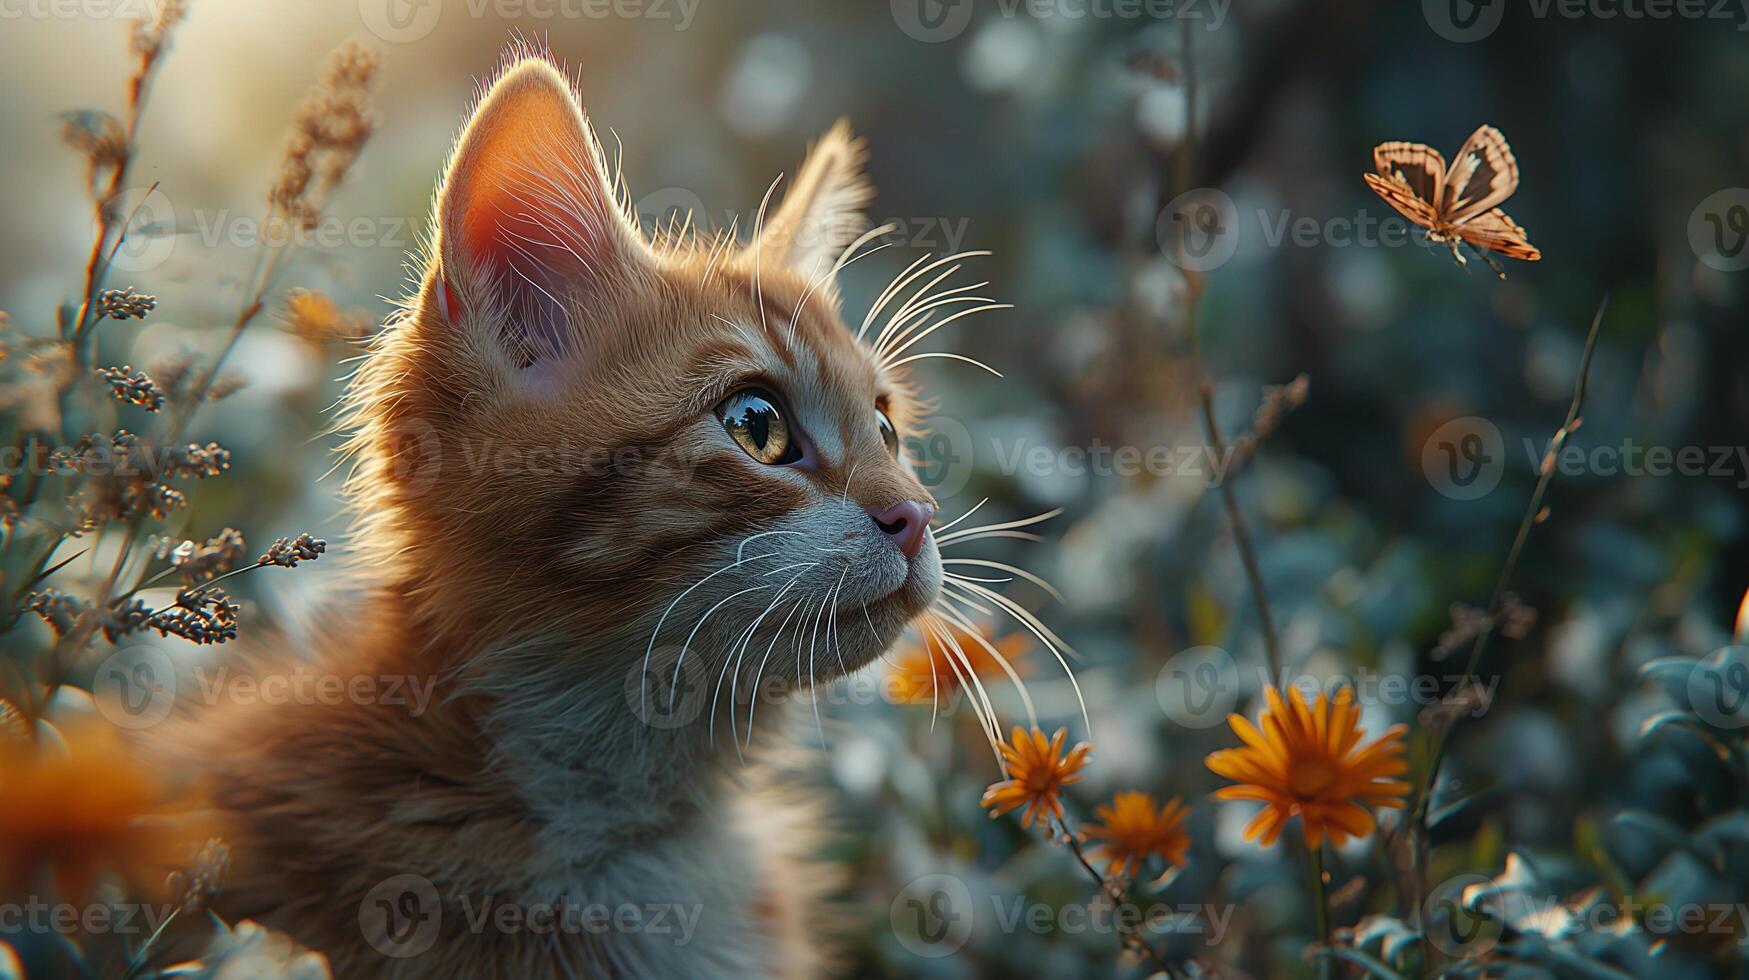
x=1308 y=762
x=1134 y=827
x=1037 y=773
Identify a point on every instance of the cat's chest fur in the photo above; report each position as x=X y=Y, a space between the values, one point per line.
x=405 y=847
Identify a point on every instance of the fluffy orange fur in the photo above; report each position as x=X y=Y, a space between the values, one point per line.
x=545 y=497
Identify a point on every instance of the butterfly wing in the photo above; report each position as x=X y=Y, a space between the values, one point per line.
x=1484 y=174
x=1416 y=164
x=1496 y=232
x=1398 y=194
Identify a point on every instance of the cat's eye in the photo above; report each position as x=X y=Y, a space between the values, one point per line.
x=753 y=420
x=889 y=434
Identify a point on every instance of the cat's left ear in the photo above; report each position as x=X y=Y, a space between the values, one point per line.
x=530 y=227
x=822 y=212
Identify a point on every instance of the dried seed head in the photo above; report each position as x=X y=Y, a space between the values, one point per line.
x=197 y=461
x=150 y=33
x=329 y=130
x=125 y=304
x=288 y=552
x=97 y=136
x=132 y=387
x=128 y=479
x=125 y=618
x=60 y=610
x=195 y=889
x=197 y=563
x=201 y=615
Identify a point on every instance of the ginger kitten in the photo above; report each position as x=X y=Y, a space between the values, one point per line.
x=587 y=463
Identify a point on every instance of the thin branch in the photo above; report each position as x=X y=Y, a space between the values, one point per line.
x=1529 y=520
x=1130 y=939
x=1205 y=386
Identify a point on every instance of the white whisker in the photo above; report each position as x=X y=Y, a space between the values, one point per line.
x=1052 y=641
x=664 y=618
x=951 y=357
x=967 y=533
x=1005 y=567
x=949 y=525
x=675 y=687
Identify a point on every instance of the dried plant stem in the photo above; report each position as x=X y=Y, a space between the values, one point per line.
x=137 y=962
x=96 y=263
x=71 y=645
x=1320 y=902
x=1417 y=820
x=1241 y=535
x=1193 y=287
x=1130 y=940
x=1532 y=514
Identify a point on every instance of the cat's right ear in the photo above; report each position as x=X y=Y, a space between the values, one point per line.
x=530 y=231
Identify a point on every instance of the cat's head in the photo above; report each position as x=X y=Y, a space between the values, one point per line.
x=580 y=438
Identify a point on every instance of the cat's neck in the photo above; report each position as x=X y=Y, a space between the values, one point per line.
x=601 y=753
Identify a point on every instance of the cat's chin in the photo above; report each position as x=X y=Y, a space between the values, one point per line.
x=914 y=595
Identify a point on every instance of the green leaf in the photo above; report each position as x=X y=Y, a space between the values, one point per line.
x=1708 y=851
x=1692 y=723
x=1388 y=934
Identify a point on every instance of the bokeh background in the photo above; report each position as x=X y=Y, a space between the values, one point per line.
x=1051 y=134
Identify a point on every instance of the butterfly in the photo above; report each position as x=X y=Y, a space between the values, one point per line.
x=1459 y=204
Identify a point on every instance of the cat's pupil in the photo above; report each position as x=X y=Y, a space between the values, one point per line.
x=753 y=420
x=758 y=423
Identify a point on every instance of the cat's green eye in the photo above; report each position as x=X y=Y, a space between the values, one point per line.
x=753 y=420
x=889 y=434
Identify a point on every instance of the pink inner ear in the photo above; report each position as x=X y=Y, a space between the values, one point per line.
x=527 y=206
x=452 y=310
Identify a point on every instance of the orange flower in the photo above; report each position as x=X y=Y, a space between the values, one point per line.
x=1037 y=772
x=1135 y=827
x=925 y=672
x=83 y=808
x=1305 y=762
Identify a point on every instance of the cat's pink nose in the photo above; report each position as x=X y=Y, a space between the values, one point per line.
x=906 y=523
